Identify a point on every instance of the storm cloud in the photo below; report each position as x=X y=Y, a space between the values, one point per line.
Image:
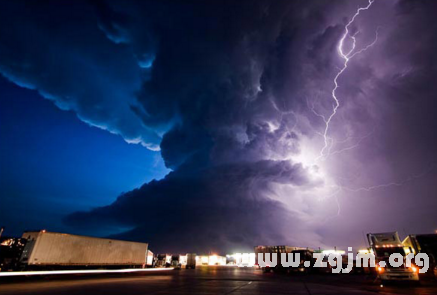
x=232 y=94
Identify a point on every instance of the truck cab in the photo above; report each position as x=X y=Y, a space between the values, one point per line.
x=385 y=244
x=305 y=255
x=161 y=260
x=175 y=263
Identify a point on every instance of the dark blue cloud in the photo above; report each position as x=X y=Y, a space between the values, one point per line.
x=60 y=51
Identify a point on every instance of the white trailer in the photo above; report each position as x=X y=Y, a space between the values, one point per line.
x=150 y=259
x=45 y=249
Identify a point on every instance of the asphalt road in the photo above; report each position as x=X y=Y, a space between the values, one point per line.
x=209 y=280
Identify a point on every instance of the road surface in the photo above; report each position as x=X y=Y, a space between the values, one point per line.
x=208 y=281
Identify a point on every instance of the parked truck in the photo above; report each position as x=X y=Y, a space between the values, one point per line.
x=163 y=260
x=58 y=250
x=191 y=260
x=423 y=244
x=305 y=255
x=175 y=261
x=385 y=244
x=10 y=252
x=274 y=249
x=150 y=260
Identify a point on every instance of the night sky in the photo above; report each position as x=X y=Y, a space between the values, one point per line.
x=212 y=125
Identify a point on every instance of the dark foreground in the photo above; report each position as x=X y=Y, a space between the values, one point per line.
x=209 y=280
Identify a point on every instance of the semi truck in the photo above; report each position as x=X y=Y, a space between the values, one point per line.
x=50 y=250
x=278 y=250
x=385 y=244
x=175 y=262
x=191 y=260
x=305 y=255
x=163 y=260
x=10 y=252
x=150 y=260
x=426 y=243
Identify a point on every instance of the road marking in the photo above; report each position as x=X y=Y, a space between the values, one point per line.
x=238 y=288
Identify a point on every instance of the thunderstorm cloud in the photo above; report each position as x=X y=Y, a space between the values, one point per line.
x=233 y=95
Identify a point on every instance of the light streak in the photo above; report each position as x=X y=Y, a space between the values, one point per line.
x=346 y=56
x=84 y=271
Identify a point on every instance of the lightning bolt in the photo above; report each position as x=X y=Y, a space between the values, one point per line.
x=338 y=188
x=346 y=56
x=350 y=147
x=390 y=184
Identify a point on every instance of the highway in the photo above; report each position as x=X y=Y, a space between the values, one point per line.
x=205 y=281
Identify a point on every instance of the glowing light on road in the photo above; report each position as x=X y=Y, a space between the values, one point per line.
x=243 y=259
x=327 y=252
x=87 y=271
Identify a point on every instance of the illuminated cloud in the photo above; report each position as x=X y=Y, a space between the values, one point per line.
x=234 y=96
